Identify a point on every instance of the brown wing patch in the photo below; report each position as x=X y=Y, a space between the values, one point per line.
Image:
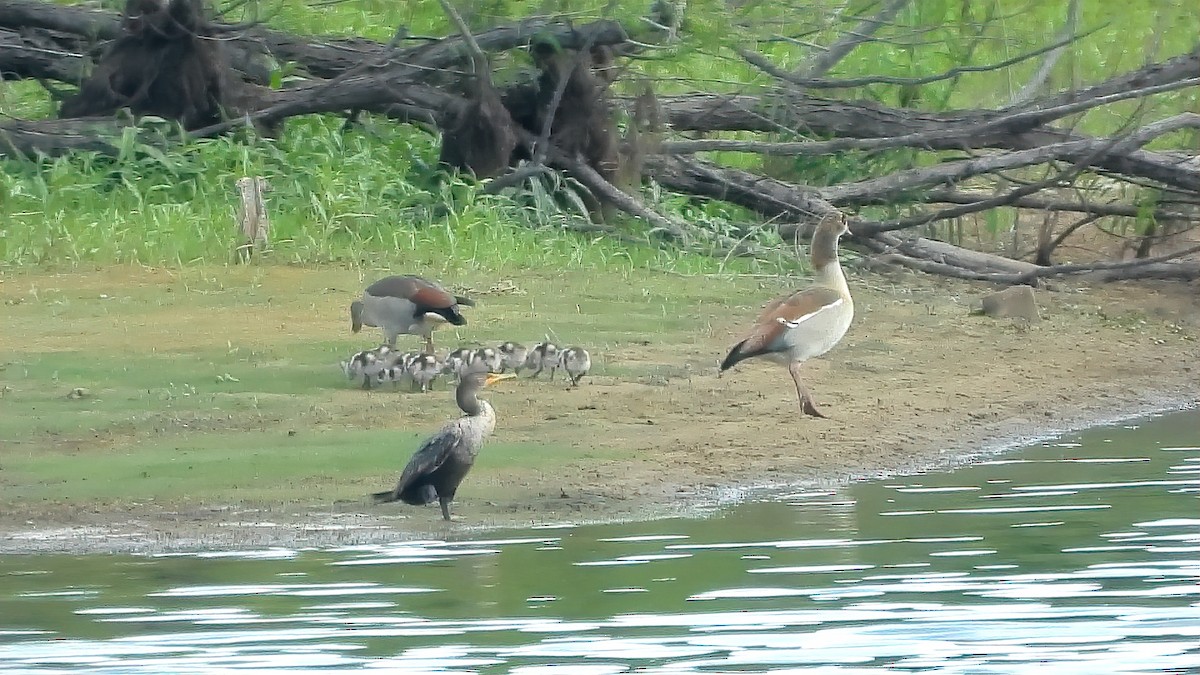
x=772 y=322
x=421 y=292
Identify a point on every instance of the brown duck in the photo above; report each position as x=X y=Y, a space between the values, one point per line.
x=407 y=304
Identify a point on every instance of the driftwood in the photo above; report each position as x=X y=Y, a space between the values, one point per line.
x=1024 y=156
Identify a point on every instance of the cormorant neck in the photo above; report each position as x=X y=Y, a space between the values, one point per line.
x=468 y=400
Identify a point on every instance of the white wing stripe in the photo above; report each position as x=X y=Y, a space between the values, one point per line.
x=806 y=317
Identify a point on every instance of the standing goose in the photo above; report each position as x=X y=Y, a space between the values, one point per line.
x=407 y=304
x=804 y=324
x=442 y=462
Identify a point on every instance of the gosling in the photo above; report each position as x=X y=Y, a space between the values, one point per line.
x=423 y=369
x=512 y=357
x=367 y=364
x=544 y=355
x=577 y=362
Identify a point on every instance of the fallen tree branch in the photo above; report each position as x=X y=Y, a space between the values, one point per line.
x=1082 y=151
x=762 y=63
x=953 y=196
x=947 y=260
x=23 y=57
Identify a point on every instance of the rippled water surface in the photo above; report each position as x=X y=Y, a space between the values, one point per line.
x=1080 y=555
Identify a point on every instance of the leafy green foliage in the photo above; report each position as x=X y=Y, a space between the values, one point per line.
x=370 y=193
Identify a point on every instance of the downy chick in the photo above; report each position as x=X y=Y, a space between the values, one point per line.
x=489 y=357
x=512 y=357
x=424 y=369
x=543 y=355
x=577 y=362
x=367 y=364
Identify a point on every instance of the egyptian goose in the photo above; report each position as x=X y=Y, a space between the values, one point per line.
x=543 y=355
x=442 y=462
x=577 y=362
x=407 y=304
x=512 y=357
x=804 y=324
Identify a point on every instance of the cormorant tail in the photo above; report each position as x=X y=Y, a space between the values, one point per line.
x=384 y=497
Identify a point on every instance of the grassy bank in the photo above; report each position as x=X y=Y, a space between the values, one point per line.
x=218 y=385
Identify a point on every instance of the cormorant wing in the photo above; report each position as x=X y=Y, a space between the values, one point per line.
x=432 y=454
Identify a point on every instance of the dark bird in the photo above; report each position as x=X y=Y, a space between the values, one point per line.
x=407 y=304
x=442 y=462
x=804 y=324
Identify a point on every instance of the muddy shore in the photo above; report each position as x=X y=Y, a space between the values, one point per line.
x=918 y=383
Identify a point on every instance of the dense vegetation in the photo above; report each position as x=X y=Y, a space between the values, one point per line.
x=369 y=192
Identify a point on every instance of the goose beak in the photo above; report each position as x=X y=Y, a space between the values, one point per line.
x=493 y=378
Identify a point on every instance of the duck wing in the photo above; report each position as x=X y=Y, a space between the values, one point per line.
x=785 y=313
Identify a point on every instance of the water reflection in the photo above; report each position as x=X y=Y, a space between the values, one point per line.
x=1078 y=556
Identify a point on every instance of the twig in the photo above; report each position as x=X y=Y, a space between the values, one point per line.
x=1043 y=72
x=760 y=62
x=823 y=62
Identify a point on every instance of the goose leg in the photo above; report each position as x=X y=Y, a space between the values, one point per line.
x=445 y=502
x=429 y=344
x=807 y=407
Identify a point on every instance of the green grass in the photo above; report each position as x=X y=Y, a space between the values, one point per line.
x=357 y=198
x=243 y=467
x=215 y=385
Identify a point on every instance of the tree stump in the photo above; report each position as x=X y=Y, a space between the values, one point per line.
x=252 y=217
x=1015 y=302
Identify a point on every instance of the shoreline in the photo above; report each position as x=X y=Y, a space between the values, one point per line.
x=707 y=501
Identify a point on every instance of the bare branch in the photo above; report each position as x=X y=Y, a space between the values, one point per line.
x=1043 y=72
x=951 y=172
x=760 y=62
x=823 y=62
x=952 y=196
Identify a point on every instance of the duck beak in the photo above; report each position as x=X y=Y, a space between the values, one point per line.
x=493 y=378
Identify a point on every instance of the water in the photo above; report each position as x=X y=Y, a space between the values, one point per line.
x=1081 y=555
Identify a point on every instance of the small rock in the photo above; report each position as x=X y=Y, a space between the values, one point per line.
x=78 y=393
x=1016 y=302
